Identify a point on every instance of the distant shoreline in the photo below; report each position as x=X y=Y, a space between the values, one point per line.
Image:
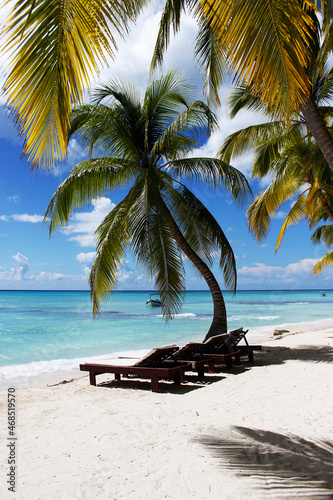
x=38 y=372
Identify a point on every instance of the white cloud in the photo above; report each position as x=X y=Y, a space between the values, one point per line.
x=86 y=258
x=296 y=274
x=46 y=276
x=129 y=278
x=11 y=279
x=13 y=199
x=16 y=274
x=21 y=259
x=23 y=218
x=84 y=224
x=27 y=218
x=134 y=54
x=280 y=214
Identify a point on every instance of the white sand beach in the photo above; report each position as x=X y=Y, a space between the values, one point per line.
x=261 y=430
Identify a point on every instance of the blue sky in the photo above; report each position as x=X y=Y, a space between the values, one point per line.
x=30 y=260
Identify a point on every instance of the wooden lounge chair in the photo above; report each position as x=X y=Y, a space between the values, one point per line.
x=153 y=366
x=232 y=342
x=193 y=353
x=207 y=353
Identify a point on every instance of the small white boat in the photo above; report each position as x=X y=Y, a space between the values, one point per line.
x=153 y=302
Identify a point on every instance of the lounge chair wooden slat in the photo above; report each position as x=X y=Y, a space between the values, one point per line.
x=152 y=366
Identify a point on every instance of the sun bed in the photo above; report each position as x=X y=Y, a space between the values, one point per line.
x=232 y=342
x=192 y=353
x=207 y=353
x=153 y=366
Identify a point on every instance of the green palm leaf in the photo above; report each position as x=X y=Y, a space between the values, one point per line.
x=86 y=182
x=203 y=233
x=297 y=212
x=112 y=240
x=326 y=260
x=323 y=234
x=57 y=46
x=213 y=172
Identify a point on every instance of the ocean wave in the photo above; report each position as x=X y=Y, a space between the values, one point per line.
x=261 y=318
x=180 y=316
x=36 y=368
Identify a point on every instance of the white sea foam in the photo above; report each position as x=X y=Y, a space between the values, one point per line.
x=181 y=315
x=37 y=368
x=261 y=318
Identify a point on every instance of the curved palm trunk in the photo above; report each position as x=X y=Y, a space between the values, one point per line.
x=318 y=129
x=219 y=323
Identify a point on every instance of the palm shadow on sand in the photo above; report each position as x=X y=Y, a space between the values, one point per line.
x=284 y=466
x=271 y=355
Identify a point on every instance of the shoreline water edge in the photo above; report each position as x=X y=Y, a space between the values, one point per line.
x=260 y=430
x=46 y=335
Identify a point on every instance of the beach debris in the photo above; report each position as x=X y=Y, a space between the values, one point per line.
x=63 y=382
x=280 y=332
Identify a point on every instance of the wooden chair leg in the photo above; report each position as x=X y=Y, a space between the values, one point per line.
x=238 y=359
x=211 y=368
x=117 y=376
x=92 y=378
x=154 y=384
x=229 y=362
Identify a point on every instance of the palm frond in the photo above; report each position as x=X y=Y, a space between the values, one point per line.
x=112 y=240
x=212 y=59
x=87 y=181
x=259 y=48
x=323 y=234
x=56 y=46
x=297 y=212
x=203 y=232
x=326 y=260
x=242 y=97
x=246 y=139
x=214 y=173
x=267 y=203
x=170 y=16
x=111 y=131
x=179 y=137
x=152 y=243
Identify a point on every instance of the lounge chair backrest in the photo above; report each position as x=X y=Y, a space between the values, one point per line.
x=215 y=343
x=157 y=355
x=234 y=337
x=189 y=350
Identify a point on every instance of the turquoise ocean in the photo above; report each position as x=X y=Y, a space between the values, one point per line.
x=48 y=331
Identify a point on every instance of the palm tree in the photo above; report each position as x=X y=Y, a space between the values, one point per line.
x=56 y=45
x=289 y=154
x=255 y=38
x=143 y=144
